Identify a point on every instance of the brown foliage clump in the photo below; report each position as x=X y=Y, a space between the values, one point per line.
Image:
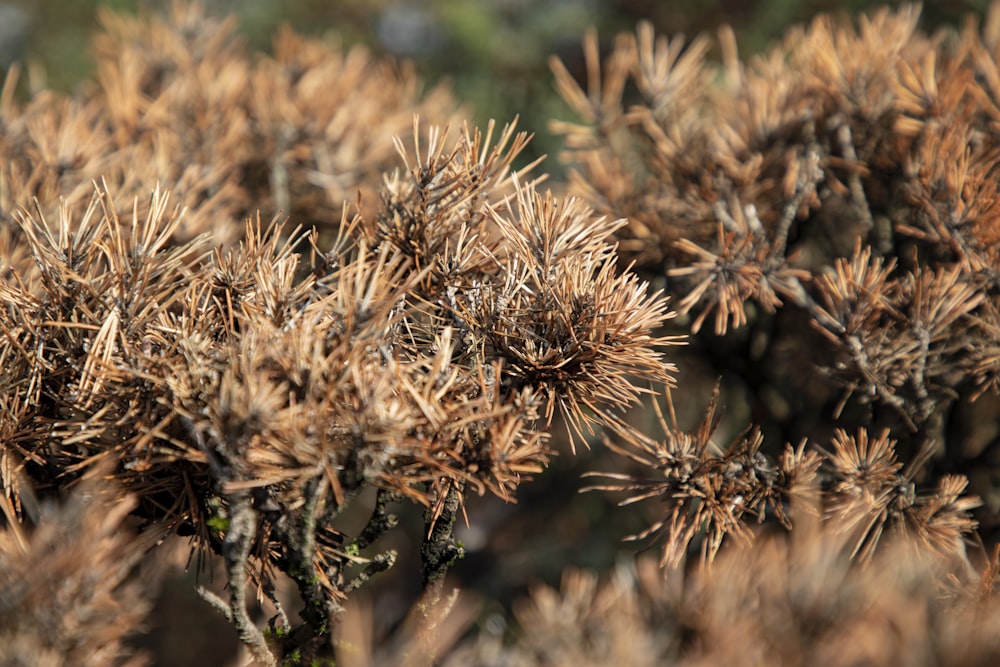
x=791 y=600
x=75 y=587
x=247 y=396
x=828 y=208
x=786 y=598
x=842 y=180
x=178 y=100
x=246 y=388
x=429 y=316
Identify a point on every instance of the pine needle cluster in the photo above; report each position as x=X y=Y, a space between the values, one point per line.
x=177 y=99
x=76 y=587
x=788 y=598
x=824 y=216
x=246 y=383
x=842 y=180
x=420 y=316
x=794 y=599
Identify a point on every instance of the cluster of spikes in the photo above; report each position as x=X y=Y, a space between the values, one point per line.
x=245 y=387
x=824 y=216
x=843 y=181
x=858 y=487
x=243 y=384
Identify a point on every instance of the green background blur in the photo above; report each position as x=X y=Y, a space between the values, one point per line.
x=494 y=52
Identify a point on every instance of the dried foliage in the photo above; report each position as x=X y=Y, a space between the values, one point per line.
x=708 y=492
x=857 y=487
x=788 y=600
x=797 y=598
x=179 y=101
x=429 y=315
x=824 y=216
x=246 y=388
x=75 y=587
x=830 y=208
x=247 y=397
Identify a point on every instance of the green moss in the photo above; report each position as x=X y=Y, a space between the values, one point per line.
x=218 y=524
x=275 y=633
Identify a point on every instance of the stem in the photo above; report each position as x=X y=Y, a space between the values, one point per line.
x=380 y=521
x=302 y=568
x=236 y=551
x=379 y=563
x=857 y=189
x=804 y=188
x=439 y=549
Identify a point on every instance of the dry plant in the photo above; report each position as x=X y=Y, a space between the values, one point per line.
x=827 y=206
x=868 y=146
x=248 y=395
x=77 y=585
x=856 y=486
x=246 y=388
x=178 y=100
x=792 y=599
x=824 y=216
x=786 y=598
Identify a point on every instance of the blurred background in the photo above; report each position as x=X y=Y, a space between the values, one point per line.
x=494 y=54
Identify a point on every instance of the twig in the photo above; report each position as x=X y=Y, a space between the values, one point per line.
x=380 y=521
x=302 y=569
x=236 y=550
x=439 y=549
x=215 y=601
x=858 y=196
x=379 y=563
x=804 y=187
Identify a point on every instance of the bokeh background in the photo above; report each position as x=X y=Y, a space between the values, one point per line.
x=494 y=54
